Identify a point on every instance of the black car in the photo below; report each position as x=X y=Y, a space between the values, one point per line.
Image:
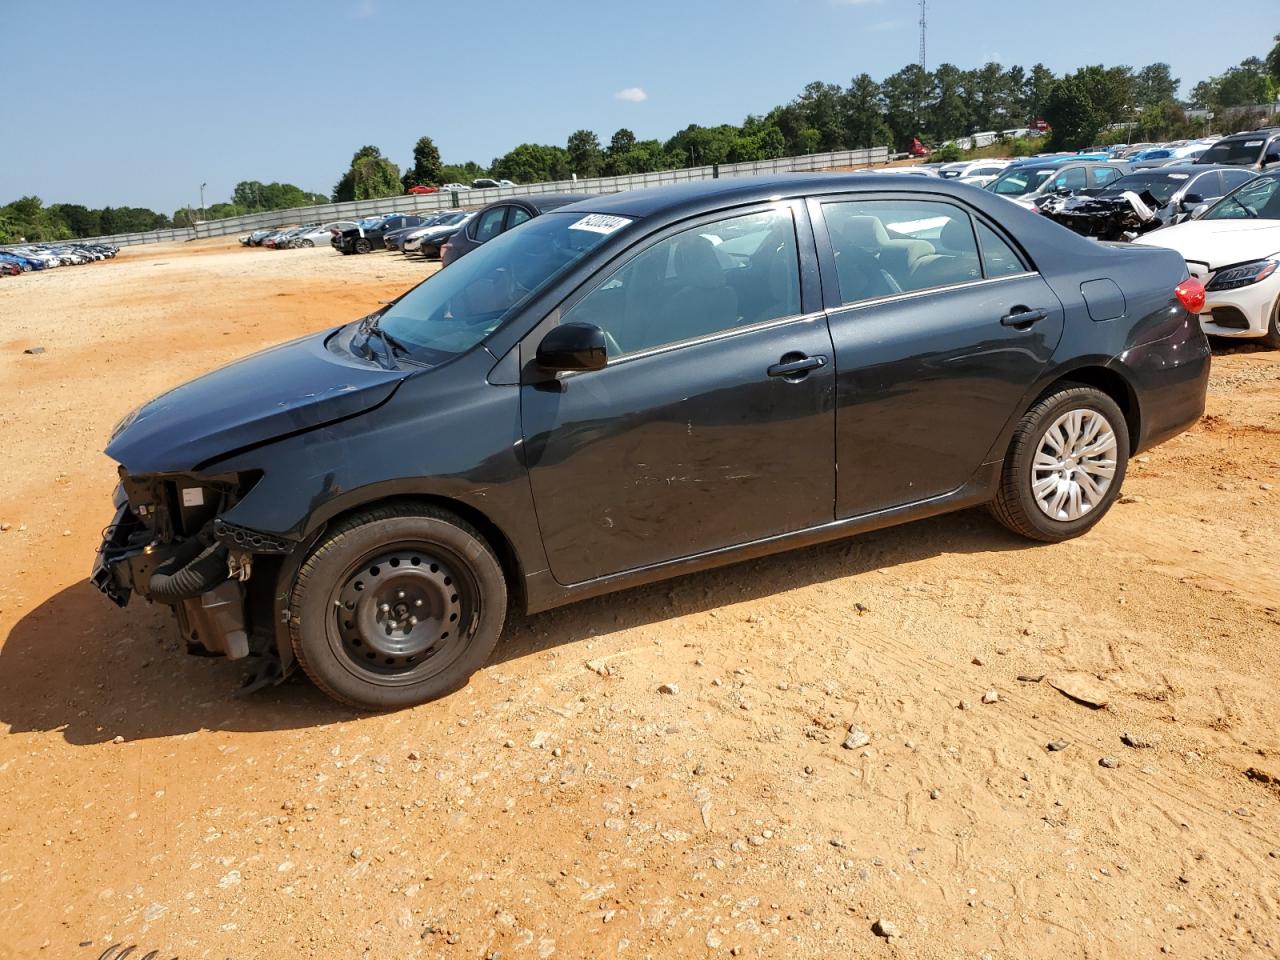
x=1144 y=200
x=498 y=218
x=365 y=237
x=639 y=386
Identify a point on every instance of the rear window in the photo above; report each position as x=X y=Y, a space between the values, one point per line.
x=1243 y=152
x=1019 y=181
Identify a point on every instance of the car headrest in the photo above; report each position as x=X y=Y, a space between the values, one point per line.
x=865 y=231
x=956 y=235
x=696 y=263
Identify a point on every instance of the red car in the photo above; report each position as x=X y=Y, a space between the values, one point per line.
x=422 y=189
x=8 y=269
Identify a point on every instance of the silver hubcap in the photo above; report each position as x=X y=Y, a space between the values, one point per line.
x=1075 y=465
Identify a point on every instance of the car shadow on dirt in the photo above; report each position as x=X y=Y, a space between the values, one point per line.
x=78 y=664
x=966 y=532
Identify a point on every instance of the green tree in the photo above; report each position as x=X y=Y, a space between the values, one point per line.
x=1154 y=85
x=426 y=167
x=864 y=108
x=462 y=172
x=532 y=163
x=585 y=155
x=1273 y=62
x=820 y=106
x=371 y=176
x=905 y=95
x=949 y=114
x=1071 y=114
x=1035 y=92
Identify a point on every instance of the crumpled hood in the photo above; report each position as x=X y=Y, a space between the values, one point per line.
x=296 y=386
x=1219 y=242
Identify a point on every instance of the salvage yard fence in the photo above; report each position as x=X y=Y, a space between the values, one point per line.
x=430 y=202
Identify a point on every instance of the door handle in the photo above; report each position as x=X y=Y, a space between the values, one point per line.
x=1023 y=317
x=796 y=366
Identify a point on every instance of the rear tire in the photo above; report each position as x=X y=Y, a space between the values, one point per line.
x=397 y=605
x=1065 y=466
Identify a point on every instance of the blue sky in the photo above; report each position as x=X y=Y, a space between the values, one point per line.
x=137 y=103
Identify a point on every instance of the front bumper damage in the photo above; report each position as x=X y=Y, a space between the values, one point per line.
x=168 y=544
x=1107 y=218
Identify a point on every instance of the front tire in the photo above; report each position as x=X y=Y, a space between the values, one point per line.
x=363 y=245
x=1272 y=337
x=1065 y=466
x=308 y=243
x=397 y=605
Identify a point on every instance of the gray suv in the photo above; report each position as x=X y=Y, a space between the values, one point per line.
x=1257 y=150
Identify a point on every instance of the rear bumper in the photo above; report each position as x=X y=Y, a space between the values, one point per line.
x=1170 y=378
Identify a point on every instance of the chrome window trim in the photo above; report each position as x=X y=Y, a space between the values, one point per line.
x=912 y=294
x=718 y=335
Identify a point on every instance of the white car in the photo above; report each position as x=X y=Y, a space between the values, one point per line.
x=1234 y=250
x=321 y=234
x=447 y=225
x=982 y=172
x=966 y=170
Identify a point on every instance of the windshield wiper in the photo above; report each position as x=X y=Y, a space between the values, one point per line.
x=370 y=328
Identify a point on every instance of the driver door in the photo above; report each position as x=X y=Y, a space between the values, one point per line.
x=712 y=423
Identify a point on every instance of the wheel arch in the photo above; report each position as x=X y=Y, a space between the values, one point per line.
x=497 y=538
x=1111 y=382
x=1096 y=373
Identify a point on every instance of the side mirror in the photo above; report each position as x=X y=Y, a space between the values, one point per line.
x=1199 y=211
x=1270 y=158
x=573 y=346
x=1192 y=200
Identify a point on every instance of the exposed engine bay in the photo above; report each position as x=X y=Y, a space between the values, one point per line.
x=1122 y=217
x=168 y=545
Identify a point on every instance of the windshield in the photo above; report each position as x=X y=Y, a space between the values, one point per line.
x=1019 y=181
x=457 y=307
x=1258 y=199
x=1162 y=186
x=1236 y=152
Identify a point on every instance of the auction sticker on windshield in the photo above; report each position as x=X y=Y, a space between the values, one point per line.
x=600 y=223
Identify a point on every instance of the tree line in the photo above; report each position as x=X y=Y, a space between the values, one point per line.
x=1091 y=105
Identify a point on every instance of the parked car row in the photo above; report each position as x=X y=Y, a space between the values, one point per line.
x=293 y=237
x=42 y=256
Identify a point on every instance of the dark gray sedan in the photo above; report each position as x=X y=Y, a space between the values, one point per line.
x=634 y=387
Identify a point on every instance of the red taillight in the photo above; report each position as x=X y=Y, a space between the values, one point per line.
x=1190 y=293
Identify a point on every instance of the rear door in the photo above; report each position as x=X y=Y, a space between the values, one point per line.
x=712 y=424
x=940 y=328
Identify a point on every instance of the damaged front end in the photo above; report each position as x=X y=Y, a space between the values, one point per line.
x=169 y=545
x=1121 y=217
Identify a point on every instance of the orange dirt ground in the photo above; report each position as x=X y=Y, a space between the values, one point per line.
x=547 y=810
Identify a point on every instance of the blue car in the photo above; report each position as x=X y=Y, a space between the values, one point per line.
x=26 y=263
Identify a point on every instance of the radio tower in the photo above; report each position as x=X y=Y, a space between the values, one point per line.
x=923 y=64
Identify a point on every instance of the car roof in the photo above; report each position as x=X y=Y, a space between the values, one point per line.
x=1190 y=169
x=695 y=196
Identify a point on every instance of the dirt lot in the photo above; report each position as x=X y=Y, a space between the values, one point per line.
x=549 y=810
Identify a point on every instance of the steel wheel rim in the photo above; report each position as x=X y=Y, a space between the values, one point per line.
x=402 y=613
x=1074 y=466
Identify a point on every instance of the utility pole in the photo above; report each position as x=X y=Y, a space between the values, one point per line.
x=202 y=186
x=923 y=61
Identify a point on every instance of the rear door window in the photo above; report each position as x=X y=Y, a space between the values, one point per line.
x=1207 y=185
x=998 y=258
x=517 y=216
x=489 y=224
x=885 y=247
